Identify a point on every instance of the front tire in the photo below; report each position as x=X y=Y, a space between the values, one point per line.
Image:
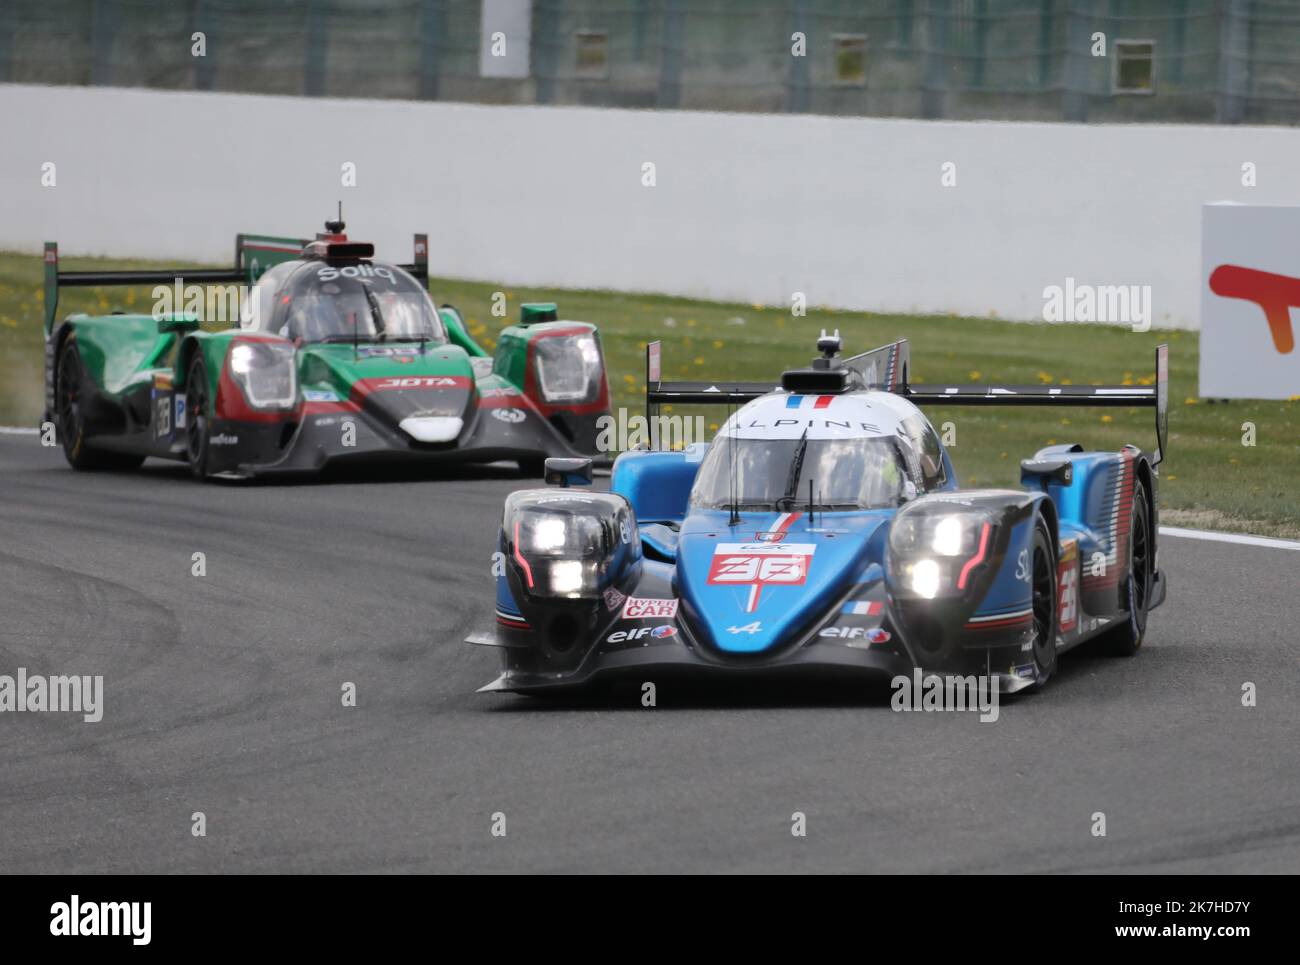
x=1042 y=580
x=73 y=389
x=1125 y=639
x=197 y=427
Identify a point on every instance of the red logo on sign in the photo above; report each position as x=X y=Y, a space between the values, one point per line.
x=1275 y=294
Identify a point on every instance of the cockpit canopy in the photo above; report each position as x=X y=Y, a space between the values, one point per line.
x=857 y=451
x=318 y=301
x=773 y=475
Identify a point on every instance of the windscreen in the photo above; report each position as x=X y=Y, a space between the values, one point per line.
x=325 y=303
x=773 y=474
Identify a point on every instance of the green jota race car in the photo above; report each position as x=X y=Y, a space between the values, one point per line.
x=337 y=358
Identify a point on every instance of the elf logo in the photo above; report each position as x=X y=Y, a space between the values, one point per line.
x=109 y=918
x=1276 y=295
x=626 y=636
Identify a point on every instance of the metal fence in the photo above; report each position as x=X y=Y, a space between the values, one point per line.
x=1230 y=61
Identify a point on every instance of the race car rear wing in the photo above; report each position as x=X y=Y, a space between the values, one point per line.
x=254 y=254
x=886 y=369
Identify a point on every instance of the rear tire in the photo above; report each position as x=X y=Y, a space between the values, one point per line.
x=71 y=392
x=1042 y=580
x=1125 y=639
x=197 y=429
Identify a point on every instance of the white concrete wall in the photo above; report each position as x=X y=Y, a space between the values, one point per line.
x=747 y=208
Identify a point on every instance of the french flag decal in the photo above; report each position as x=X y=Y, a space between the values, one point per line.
x=863 y=608
x=818 y=401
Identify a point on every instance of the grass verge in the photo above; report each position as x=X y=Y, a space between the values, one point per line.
x=1210 y=479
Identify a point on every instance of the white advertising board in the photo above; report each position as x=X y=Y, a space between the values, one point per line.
x=1250 y=286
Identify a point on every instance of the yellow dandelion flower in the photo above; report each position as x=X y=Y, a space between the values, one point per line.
x=974 y=376
x=1107 y=418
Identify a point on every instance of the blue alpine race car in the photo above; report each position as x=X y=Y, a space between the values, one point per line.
x=824 y=530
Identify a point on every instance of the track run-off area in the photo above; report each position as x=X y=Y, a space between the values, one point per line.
x=223 y=696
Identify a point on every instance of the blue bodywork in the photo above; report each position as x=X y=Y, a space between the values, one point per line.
x=791 y=590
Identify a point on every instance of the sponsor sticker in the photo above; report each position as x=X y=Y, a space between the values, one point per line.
x=398 y=353
x=320 y=395
x=613 y=599
x=869 y=634
x=418 y=382
x=507 y=414
x=760 y=564
x=627 y=636
x=1067 y=579
x=645 y=608
x=863 y=608
x=163 y=422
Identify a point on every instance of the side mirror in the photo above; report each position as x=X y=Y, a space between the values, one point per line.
x=568 y=472
x=177 y=322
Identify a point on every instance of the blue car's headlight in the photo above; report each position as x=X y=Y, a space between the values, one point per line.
x=937 y=548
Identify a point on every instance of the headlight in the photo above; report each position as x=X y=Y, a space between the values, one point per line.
x=925 y=578
x=266 y=372
x=571 y=547
x=569 y=368
x=936 y=548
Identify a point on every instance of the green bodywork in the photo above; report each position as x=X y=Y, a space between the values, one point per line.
x=511 y=359
x=124 y=354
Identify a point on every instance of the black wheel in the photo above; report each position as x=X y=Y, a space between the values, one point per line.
x=1042 y=580
x=69 y=397
x=1125 y=639
x=534 y=467
x=196 y=416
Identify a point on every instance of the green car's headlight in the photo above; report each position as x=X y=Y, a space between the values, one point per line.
x=266 y=373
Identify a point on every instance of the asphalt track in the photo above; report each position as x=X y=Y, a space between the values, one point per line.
x=223 y=695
